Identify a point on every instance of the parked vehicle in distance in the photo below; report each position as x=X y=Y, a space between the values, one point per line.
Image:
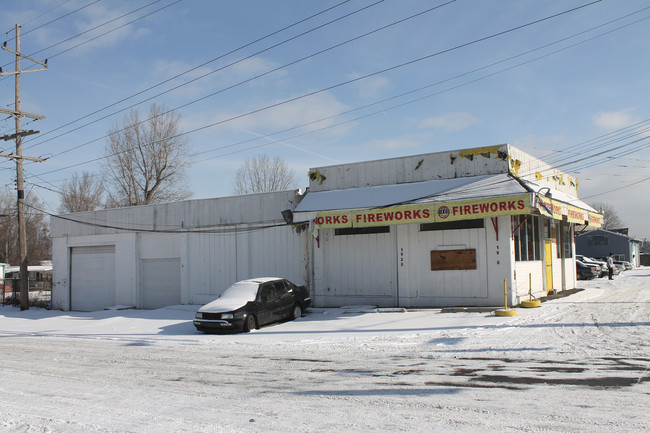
x=604 y=270
x=586 y=272
x=253 y=303
x=626 y=265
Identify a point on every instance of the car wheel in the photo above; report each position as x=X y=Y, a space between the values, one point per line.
x=249 y=324
x=297 y=312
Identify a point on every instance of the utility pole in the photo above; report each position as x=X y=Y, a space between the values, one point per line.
x=18 y=156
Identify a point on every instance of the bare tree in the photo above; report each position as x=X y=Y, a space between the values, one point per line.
x=261 y=174
x=82 y=194
x=39 y=244
x=645 y=246
x=146 y=160
x=611 y=220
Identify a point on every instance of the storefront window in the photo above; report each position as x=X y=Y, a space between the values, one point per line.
x=548 y=229
x=527 y=241
x=453 y=225
x=565 y=249
x=361 y=231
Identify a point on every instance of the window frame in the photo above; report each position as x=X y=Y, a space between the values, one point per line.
x=527 y=239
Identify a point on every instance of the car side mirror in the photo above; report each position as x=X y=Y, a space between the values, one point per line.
x=264 y=299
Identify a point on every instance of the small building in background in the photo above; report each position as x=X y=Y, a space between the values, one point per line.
x=40 y=276
x=599 y=243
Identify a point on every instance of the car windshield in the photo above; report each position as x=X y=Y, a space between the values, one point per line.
x=242 y=291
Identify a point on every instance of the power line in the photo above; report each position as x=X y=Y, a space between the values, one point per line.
x=115 y=29
x=191 y=70
x=179 y=229
x=45 y=13
x=97 y=27
x=56 y=19
x=384 y=109
x=209 y=73
x=565 y=38
x=482 y=39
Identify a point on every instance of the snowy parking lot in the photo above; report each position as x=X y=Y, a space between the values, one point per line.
x=577 y=363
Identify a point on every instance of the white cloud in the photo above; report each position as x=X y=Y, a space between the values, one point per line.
x=300 y=112
x=372 y=87
x=111 y=35
x=451 y=122
x=614 y=119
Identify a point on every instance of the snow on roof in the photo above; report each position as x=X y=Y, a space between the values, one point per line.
x=560 y=196
x=429 y=191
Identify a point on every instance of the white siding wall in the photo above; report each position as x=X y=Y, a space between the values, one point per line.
x=542 y=173
x=160 y=270
x=177 y=216
x=394 y=269
x=126 y=265
x=357 y=269
x=534 y=270
x=419 y=286
x=442 y=165
x=564 y=275
x=217 y=260
x=209 y=262
x=428 y=288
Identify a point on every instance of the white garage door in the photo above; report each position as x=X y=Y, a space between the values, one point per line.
x=92 y=278
x=160 y=282
x=359 y=268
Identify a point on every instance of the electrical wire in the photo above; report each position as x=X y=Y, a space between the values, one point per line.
x=383 y=101
x=97 y=27
x=322 y=90
x=203 y=76
x=56 y=19
x=384 y=109
x=146 y=227
x=45 y=13
x=240 y=48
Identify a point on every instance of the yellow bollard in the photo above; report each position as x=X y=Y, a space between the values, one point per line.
x=506 y=311
x=530 y=303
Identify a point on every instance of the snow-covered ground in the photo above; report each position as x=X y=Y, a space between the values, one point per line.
x=578 y=363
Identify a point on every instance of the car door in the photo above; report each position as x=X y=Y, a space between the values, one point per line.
x=285 y=299
x=267 y=303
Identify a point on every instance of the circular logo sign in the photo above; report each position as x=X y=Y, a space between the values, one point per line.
x=443 y=212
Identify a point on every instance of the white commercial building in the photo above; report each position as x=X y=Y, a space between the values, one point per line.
x=457 y=228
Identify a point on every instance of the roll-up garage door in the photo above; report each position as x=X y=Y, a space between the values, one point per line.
x=160 y=282
x=92 y=278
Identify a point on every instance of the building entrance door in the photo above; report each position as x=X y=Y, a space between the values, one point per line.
x=548 y=260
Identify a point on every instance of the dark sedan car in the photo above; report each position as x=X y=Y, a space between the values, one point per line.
x=586 y=272
x=252 y=303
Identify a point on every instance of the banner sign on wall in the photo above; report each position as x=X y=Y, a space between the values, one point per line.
x=426 y=213
x=595 y=219
x=576 y=215
x=549 y=208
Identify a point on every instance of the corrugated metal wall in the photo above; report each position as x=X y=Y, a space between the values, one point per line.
x=215 y=261
x=358 y=269
x=442 y=165
x=428 y=288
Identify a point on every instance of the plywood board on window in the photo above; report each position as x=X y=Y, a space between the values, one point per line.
x=453 y=260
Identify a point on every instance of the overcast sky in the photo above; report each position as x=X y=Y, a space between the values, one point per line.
x=329 y=82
